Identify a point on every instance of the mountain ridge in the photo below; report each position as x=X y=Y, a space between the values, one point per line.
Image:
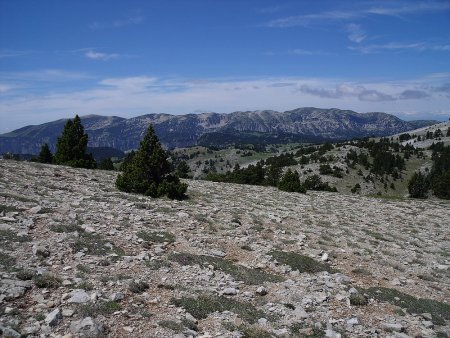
x=186 y=130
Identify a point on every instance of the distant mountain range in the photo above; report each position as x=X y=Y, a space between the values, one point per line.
x=267 y=126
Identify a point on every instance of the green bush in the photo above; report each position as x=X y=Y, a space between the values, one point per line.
x=291 y=182
x=441 y=185
x=45 y=155
x=148 y=171
x=418 y=185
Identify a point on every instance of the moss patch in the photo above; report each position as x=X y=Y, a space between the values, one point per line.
x=157 y=236
x=102 y=308
x=94 y=244
x=300 y=262
x=249 y=276
x=440 y=312
x=202 y=306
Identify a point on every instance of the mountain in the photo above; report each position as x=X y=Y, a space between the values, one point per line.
x=307 y=124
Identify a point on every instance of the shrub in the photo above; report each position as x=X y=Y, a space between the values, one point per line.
x=441 y=185
x=148 y=171
x=291 y=182
x=418 y=185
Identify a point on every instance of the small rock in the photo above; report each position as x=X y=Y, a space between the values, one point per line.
x=332 y=334
x=79 y=296
x=427 y=316
x=262 y=321
x=230 y=292
x=54 y=317
x=117 y=296
x=353 y=321
x=262 y=291
x=128 y=329
x=67 y=312
x=8 y=332
x=324 y=257
x=393 y=327
x=428 y=324
x=86 y=327
x=191 y=318
x=8 y=310
x=218 y=253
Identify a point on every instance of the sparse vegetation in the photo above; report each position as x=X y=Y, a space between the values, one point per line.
x=300 y=262
x=440 y=312
x=202 y=306
x=46 y=280
x=239 y=272
x=97 y=309
x=156 y=236
x=95 y=244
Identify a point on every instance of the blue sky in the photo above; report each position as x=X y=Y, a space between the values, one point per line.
x=128 y=58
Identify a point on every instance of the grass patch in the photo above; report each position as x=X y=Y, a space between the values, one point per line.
x=358 y=299
x=157 y=236
x=25 y=274
x=377 y=235
x=300 y=262
x=178 y=326
x=157 y=264
x=94 y=244
x=9 y=236
x=241 y=273
x=247 y=331
x=17 y=197
x=85 y=286
x=7 y=208
x=300 y=330
x=47 y=280
x=7 y=262
x=440 y=312
x=202 y=306
x=61 y=228
x=102 y=308
x=138 y=287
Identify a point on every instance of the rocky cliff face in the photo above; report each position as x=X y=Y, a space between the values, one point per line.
x=185 y=130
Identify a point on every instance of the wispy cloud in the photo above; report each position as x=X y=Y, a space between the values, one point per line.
x=131 y=20
x=413 y=94
x=355 y=33
x=311 y=19
x=392 y=8
x=101 y=56
x=122 y=22
x=341 y=91
x=7 y=53
x=392 y=46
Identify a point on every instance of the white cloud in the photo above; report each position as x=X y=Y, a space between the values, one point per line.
x=392 y=46
x=131 y=96
x=100 y=56
x=392 y=8
x=356 y=33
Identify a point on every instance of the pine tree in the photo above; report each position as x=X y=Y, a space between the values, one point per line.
x=291 y=182
x=148 y=171
x=418 y=185
x=45 y=155
x=72 y=145
x=106 y=164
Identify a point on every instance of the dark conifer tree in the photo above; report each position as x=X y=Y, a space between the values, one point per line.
x=148 y=171
x=45 y=155
x=72 y=145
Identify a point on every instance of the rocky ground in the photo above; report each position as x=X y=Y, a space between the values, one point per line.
x=78 y=258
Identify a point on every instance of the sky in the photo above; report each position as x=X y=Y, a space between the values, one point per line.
x=127 y=58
